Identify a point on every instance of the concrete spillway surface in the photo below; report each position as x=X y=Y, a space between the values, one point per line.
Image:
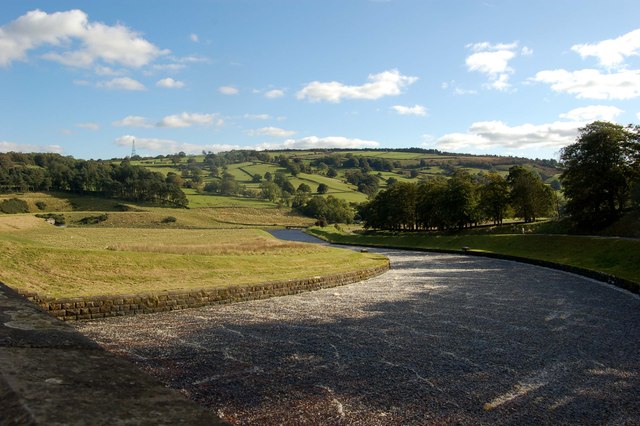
x=438 y=339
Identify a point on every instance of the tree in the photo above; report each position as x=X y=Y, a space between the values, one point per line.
x=494 y=197
x=323 y=188
x=228 y=185
x=303 y=187
x=601 y=170
x=331 y=209
x=270 y=190
x=431 y=203
x=529 y=196
x=461 y=200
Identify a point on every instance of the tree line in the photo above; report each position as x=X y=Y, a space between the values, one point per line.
x=53 y=172
x=600 y=182
x=461 y=201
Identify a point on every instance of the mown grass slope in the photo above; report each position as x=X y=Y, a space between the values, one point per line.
x=74 y=262
x=616 y=256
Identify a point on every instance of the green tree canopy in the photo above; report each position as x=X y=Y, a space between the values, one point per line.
x=601 y=170
x=530 y=197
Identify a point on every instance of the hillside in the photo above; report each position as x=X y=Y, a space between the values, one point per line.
x=350 y=175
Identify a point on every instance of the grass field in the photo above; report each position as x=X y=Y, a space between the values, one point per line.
x=74 y=262
x=615 y=256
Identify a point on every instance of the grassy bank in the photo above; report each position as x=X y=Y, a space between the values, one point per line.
x=615 y=256
x=76 y=262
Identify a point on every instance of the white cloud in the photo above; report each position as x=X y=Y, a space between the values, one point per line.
x=228 y=90
x=414 y=110
x=169 y=67
x=122 y=83
x=186 y=119
x=638 y=116
x=387 y=83
x=97 y=42
x=88 y=126
x=171 y=146
x=102 y=70
x=458 y=91
x=16 y=147
x=133 y=121
x=593 y=113
x=194 y=38
x=313 y=142
x=462 y=92
x=486 y=135
x=165 y=146
x=611 y=53
x=593 y=84
x=272 y=131
x=191 y=59
x=275 y=93
x=257 y=116
x=170 y=83
x=493 y=60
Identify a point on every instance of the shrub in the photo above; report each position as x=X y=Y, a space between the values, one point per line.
x=41 y=205
x=92 y=220
x=58 y=219
x=169 y=219
x=13 y=206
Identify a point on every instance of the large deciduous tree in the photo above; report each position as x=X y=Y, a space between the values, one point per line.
x=601 y=170
x=530 y=197
x=494 y=197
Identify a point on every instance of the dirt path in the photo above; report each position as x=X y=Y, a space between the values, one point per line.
x=439 y=339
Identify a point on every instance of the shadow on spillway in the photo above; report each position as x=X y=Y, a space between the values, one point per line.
x=438 y=339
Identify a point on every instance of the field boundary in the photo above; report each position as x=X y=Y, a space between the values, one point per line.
x=95 y=307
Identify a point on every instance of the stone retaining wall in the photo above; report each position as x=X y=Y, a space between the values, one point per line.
x=86 y=308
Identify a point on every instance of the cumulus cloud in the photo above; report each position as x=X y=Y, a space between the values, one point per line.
x=16 y=147
x=491 y=134
x=122 y=83
x=407 y=110
x=387 y=83
x=593 y=84
x=275 y=93
x=315 y=142
x=271 y=131
x=593 y=113
x=75 y=40
x=493 y=61
x=611 y=53
x=88 y=126
x=228 y=90
x=165 y=146
x=194 y=38
x=170 y=83
x=187 y=119
x=133 y=121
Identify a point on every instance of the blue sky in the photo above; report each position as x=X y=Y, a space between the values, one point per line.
x=499 y=77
